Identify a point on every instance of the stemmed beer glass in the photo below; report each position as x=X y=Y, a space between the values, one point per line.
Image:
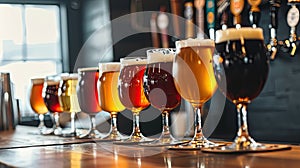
x=108 y=95
x=160 y=89
x=88 y=98
x=131 y=93
x=37 y=103
x=50 y=95
x=68 y=99
x=195 y=81
x=243 y=65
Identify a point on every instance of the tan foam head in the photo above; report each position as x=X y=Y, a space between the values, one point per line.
x=37 y=80
x=236 y=34
x=195 y=42
x=109 y=67
x=161 y=55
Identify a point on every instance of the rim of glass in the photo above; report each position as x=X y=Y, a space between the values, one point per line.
x=88 y=69
x=236 y=34
x=109 y=66
x=138 y=60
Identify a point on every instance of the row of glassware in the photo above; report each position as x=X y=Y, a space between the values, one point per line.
x=193 y=71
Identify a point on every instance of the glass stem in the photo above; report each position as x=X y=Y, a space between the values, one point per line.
x=165 y=122
x=56 y=120
x=136 y=126
x=42 y=124
x=93 y=122
x=73 y=122
x=198 y=134
x=114 y=129
x=242 y=121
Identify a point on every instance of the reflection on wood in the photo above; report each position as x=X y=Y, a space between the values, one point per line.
x=105 y=154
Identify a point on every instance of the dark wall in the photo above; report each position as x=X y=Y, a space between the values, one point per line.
x=274 y=115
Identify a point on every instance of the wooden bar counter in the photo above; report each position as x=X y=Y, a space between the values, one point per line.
x=23 y=148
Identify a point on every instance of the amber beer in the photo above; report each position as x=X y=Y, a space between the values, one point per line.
x=108 y=87
x=130 y=88
x=36 y=99
x=193 y=70
x=87 y=91
x=67 y=93
x=243 y=56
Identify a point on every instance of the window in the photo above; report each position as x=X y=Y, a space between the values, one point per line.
x=30 y=45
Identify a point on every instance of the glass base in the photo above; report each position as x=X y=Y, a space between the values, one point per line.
x=258 y=147
x=115 y=137
x=195 y=145
x=68 y=133
x=43 y=130
x=57 y=131
x=134 y=140
x=163 y=141
x=92 y=134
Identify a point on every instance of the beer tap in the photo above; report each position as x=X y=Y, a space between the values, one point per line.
x=292 y=20
x=272 y=46
x=199 y=4
x=223 y=13
x=210 y=18
x=189 y=18
x=163 y=23
x=254 y=14
x=236 y=8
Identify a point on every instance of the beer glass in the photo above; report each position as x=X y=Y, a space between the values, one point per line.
x=108 y=95
x=131 y=93
x=68 y=100
x=160 y=89
x=88 y=97
x=50 y=95
x=195 y=81
x=245 y=67
x=37 y=103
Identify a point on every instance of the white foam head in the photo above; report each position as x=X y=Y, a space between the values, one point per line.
x=133 y=61
x=195 y=43
x=236 y=34
x=160 y=55
x=67 y=76
x=88 y=69
x=109 y=67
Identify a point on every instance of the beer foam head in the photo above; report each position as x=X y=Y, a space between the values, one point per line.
x=67 y=76
x=37 y=80
x=109 y=66
x=236 y=34
x=133 y=61
x=88 y=69
x=161 y=55
x=195 y=43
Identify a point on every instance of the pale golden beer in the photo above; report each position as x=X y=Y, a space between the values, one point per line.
x=108 y=88
x=193 y=70
x=36 y=99
x=195 y=81
x=67 y=93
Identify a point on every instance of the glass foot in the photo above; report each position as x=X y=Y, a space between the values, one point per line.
x=45 y=131
x=92 y=134
x=115 y=137
x=163 y=142
x=257 y=147
x=195 y=145
x=134 y=140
